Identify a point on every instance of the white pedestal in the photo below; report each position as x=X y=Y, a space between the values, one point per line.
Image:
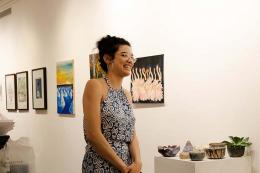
x=226 y=165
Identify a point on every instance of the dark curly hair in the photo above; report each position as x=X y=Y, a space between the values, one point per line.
x=109 y=45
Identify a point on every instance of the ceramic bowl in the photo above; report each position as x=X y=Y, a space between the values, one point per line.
x=169 y=151
x=197 y=155
x=215 y=153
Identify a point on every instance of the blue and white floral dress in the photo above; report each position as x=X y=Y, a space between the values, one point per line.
x=117 y=125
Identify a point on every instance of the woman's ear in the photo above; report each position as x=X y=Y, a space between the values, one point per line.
x=107 y=59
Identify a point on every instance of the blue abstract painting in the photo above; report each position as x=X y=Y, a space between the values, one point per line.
x=65 y=99
x=65 y=93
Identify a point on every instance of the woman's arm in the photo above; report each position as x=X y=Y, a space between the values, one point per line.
x=134 y=146
x=135 y=153
x=92 y=125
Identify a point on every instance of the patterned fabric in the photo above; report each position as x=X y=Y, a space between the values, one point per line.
x=117 y=125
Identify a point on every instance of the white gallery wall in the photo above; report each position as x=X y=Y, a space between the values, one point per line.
x=212 y=74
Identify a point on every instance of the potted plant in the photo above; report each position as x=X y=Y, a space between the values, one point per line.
x=236 y=145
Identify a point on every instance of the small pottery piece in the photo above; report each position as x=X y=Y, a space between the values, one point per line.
x=185 y=152
x=3 y=140
x=188 y=147
x=184 y=155
x=236 y=151
x=197 y=155
x=169 y=151
x=215 y=152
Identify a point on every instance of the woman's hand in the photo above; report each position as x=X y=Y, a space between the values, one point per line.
x=125 y=169
x=135 y=168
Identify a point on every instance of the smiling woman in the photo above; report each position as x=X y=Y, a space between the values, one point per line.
x=109 y=123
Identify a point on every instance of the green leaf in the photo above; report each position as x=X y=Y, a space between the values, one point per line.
x=238 y=141
x=231 y=138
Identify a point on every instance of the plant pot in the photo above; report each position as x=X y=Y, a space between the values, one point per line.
x=237 y=151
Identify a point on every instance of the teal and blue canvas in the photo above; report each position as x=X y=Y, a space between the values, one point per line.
x=65 y=99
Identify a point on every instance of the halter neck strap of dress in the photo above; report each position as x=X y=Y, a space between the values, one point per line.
x=109 y=84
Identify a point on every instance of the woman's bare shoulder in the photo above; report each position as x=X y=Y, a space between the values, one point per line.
x=95 y=85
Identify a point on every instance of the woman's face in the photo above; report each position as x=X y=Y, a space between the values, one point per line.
x=123 y=61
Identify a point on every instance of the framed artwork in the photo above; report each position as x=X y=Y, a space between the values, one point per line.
x=95 y=69
x=22 y=90
x=10 y=91
x=39 y=88
x=147 y=82
x=65 y=82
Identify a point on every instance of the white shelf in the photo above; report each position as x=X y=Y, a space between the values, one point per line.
x=226 y=165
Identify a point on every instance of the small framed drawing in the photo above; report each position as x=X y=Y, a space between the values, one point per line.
x=39 y=88
x=22 y=90
x=10 y=91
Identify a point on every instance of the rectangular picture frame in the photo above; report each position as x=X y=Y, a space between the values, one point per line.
x=39 y=88
x=65 y=88
x=147 y=80
x=10 y=91
x=22 y=95
x=96 y=70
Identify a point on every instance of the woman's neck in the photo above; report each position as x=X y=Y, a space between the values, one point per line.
x=115 y=81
